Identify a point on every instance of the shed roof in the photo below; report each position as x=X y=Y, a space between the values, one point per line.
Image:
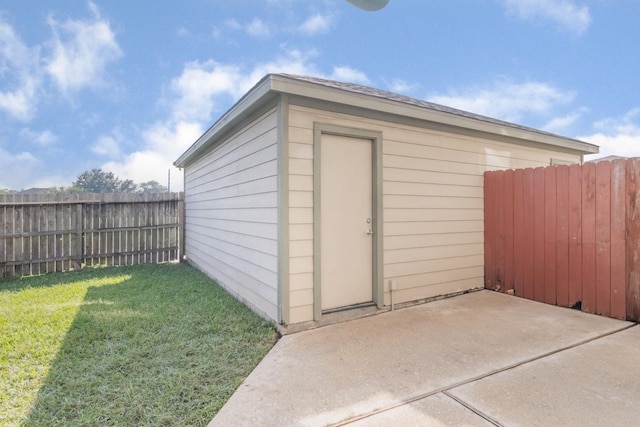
x=372 y=99
x=608 y=159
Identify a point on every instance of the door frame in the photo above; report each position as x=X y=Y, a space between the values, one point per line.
x=375 y=137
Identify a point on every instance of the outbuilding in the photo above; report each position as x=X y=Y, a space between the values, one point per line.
x=313 y=200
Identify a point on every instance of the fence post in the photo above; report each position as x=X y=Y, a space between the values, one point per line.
x=488 y=229
x=181 y=227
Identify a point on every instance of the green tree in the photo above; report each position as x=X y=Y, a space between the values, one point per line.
x=128 y=186
x=99 y=181
x=151 y=187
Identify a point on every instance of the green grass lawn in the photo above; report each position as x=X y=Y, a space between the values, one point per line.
x=156 y=345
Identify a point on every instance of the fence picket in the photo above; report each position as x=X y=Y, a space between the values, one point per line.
x=498 y=248
x=603 y=238
x=589 y=238
x=633 y=240
x=575 y=235
x=518 y=231
x=45 y=233
x=538 y=235
x=489 y=235
x=562 y=236
x=508 y=217
x=550 y=235
x=528 y=246
x=618 y=237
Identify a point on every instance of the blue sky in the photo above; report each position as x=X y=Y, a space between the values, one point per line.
x=127 y=86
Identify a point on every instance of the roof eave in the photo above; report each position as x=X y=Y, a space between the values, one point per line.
x=311 y=90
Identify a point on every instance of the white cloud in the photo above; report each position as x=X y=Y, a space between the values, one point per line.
x=402 y=86
x=43 y=138
x=21 y=102
x=562 y=124
x=107 y=145
x=20 y=78
x=316 y=24
x=233 y=24
x=349 y=74
x=293 y=62
x=19 y=167
x=566 y=14
x=258 y=28
x=198 y=84
x=163 y=144
x=506 y=100
x=201 y=89
x=81 y=51
x=183 y=32
x=627 y=145
x=617 y=136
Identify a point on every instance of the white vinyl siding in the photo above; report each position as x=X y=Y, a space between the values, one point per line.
x=300 y=224
x=231 y=225
x=432 y=204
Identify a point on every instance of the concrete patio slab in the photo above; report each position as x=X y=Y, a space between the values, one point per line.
x=592 y=384
x=366 y=367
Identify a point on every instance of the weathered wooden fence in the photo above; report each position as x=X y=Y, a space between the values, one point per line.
x=566 y=235
x=41 y=233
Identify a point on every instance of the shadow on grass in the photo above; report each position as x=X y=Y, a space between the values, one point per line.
x=165 y=347
x=53 y=279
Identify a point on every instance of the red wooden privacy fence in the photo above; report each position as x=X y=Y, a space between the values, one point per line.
x=566 y=235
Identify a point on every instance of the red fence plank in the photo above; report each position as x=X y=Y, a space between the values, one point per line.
x=589 y=238
x=538 y=234
x=618 y=234
x=562 y=236
x=575 y=235
x=550 y=213
x=489 y=229
x=603 y=238
x=498 y=248
x=518 y=231
x=633 y=240
x=528 y=191
x=507 y=204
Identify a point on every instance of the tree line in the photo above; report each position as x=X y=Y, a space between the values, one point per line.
x=99 y=181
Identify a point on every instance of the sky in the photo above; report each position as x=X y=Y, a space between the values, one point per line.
x=127 y=86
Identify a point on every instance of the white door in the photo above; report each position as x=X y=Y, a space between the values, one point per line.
x=346 y=221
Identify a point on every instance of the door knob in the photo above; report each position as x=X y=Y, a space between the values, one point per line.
x=369 y=232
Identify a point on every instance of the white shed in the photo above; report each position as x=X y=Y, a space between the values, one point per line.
x=313 y=200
